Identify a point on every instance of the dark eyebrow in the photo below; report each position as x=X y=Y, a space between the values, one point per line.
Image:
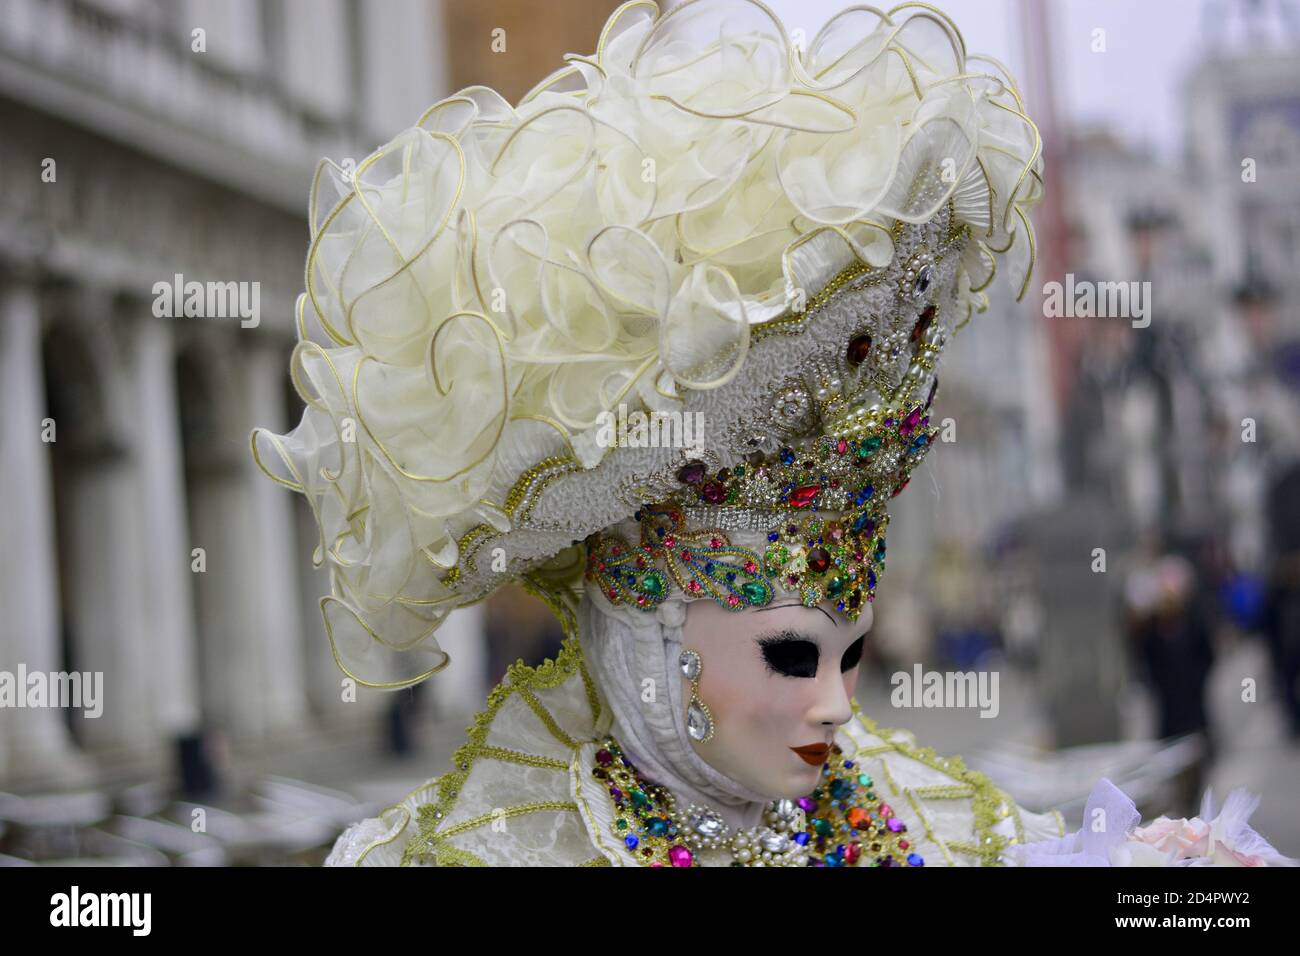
x=784 y=635
x=773 y=607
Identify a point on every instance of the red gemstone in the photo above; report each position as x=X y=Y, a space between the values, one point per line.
x=802 y=497
x=859 y=346
x=852 y=852
x=714 y=493
x=841 y=446
x=923 y=323
x=819 y=559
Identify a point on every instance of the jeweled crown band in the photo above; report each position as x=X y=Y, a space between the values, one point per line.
x=820 y=510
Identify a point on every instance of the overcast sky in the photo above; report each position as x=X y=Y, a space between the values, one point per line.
x=1134 y=86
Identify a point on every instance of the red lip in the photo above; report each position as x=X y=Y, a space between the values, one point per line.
x=813 y=754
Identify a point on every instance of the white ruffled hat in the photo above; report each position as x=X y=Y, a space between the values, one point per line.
x=705 y=222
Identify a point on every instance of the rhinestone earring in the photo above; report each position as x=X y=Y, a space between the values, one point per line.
x=699 y=721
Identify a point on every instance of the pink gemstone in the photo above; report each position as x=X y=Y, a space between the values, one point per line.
x=669 y=541
x=841 y=446
x=733 y=600
x=693 y=585
x=678 y=855
x=750 y=566
x=715 y=542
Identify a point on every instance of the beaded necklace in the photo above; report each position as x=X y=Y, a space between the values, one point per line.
x=843 y=822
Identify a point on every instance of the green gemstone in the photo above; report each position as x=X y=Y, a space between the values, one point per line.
x=835 y=587
x=822 y=826
x=653 y=584
x=640 y=799
x=754 y=593
x=621 y=824
x=864 y=780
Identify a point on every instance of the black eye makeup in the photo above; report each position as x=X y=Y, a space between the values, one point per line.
x=852 y=655
x=790 y=655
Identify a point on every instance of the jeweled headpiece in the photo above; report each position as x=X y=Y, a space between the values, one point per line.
x=704 y=221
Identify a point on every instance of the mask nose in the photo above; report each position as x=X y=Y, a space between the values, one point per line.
x=832 y=707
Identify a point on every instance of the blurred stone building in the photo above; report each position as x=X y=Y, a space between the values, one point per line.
x=146 y=142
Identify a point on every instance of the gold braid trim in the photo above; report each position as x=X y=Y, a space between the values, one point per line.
x=430 y=841
x=987 y=801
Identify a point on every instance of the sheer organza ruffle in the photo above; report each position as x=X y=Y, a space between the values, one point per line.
x=481 y=288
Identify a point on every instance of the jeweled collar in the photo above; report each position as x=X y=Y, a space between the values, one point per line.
x=843 y=822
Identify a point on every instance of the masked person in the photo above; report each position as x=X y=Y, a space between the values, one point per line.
x=660 y=343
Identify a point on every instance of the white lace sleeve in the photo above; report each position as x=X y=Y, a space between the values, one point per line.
x=382 y=840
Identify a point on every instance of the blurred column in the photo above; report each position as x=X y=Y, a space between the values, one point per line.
x=32 y=742
x=463 y=689
x=164 y=573
x=102 y=529
x=272 y=555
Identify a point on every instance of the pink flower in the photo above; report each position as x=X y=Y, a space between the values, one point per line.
x=1187 y=838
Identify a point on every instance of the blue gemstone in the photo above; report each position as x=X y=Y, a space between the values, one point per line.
x=834 y=860
x=841 y=789
x=787 y=456
x=708 y=567
x=871 y=578
x=848 y=765
x=914 y=859
x=731 y=575
x=659 y=531
x=801 y=839
x=772 y=536
x=631 y=842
